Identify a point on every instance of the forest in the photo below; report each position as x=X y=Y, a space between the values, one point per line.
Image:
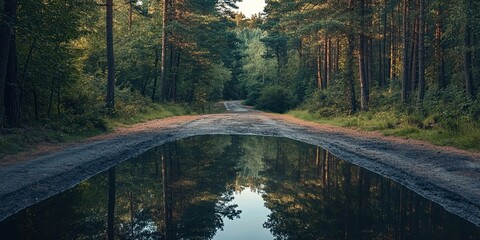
x=406 y=67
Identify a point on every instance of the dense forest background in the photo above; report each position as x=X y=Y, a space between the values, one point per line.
x=74 y=65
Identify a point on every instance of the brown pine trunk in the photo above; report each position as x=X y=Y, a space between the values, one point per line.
x=440 y=48
x=383 y=68
x=421 y=54
x=393 y=49
x=362 y=60
x=175 y=63
x=325 y=63
x=414 y=59
x=163 y=60
x=319 y=67
x=155 y=76
x=350 y=64
x=349 y=72
x=330 y=64
x=405 y=56
x=110 y=100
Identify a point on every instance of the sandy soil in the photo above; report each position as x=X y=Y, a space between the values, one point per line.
x=445 y=175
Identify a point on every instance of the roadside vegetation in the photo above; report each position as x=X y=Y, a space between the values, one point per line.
x=72 y=69
x=403 y=68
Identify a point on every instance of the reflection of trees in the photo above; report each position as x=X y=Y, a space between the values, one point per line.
x=184 y=190
x=316 y=196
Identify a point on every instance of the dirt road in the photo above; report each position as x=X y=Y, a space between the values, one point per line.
x=447 y=176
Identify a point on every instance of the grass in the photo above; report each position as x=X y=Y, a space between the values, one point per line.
x=464 y=135
x=13 y=141
x=157 y=111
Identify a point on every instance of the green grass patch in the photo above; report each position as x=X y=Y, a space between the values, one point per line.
x=75 y=128
x=155 y=111
x=461 y=134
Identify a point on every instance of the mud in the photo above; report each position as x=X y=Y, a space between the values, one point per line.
x=446 y=176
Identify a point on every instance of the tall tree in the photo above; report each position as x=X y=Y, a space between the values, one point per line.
x=467 y=52
x=405 y=53
x=110 y=100
x=421 y=53
x=163 y=55
x=7 y=28
x=439 y=45
x=362 y=58
x=12 y=93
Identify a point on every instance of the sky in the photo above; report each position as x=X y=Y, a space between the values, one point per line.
x=250 y=7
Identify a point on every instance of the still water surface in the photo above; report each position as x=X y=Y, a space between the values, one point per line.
x=237 y=187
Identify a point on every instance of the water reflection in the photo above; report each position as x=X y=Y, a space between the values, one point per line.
x=186 y=190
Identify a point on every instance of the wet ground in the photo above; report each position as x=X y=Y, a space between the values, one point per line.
x=448 y=177
x=237 y=187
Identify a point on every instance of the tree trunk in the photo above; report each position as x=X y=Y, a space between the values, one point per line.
x=110 y=100
x=384 y=48
x=349 y=73
x=155 y=76
x=319 y=67
x=440 y=48
x=12 y=93
x=163 y=65
x=413 y=64
x=405 y=62
x=467 y=54
x=7 y=23
x=362 y=61
x=350 y=61
x=421 y=54
x=325 y=63
x=174 y=71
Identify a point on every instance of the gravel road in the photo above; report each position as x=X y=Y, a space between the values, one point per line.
x=446 y=176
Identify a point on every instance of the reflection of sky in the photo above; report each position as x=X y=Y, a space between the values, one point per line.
x=250 y=7
x=250 y=224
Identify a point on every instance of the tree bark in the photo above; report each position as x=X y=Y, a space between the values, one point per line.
x=383 y=68
x=325 y=63
x=362 y=61
x=12 y=93
x=7 y=24
x=350 y=62
x=319 y=67
x=405 y=62
x=155 y=76
x=467 y=54
x=421 y=53
x=163 y=65
x=413 y=63
x=110 y=100
x=349 y=73
x=440 y=48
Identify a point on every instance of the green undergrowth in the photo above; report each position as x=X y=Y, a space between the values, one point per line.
x=69 y=128
x=461 y=133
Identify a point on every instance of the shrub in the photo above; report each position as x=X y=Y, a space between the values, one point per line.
x=275 y=99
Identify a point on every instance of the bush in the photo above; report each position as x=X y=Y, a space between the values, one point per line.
x=275 y=99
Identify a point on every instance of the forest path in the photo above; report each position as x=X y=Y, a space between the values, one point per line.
x=447 y=176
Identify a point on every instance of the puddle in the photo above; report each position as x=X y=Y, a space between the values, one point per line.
x=237 y=187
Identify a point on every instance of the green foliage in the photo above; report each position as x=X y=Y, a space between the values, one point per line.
x=276 y=99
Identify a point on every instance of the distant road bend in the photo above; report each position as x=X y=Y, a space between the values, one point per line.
x=446 y=176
